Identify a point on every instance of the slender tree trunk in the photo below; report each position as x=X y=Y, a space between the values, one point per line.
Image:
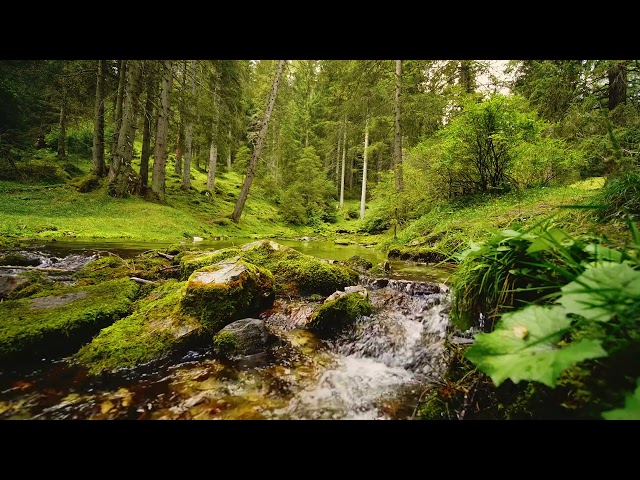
x=213 y=149
x=121 y=159
x=62 y=135
x=397 y=139
x=617 y=89
x=213 y=160
x=146 y=131
x=160 y=153
x=344 y=162
x=363 y=197
x=350 y=172
x=177 y=168
x=466 y=80
x=186 y=172
x=122 y=71
x=97 y=167
x=338 y=159
x=253 y=164
x=229 y=152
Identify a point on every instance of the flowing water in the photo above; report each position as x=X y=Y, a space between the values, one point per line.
x=375 y=370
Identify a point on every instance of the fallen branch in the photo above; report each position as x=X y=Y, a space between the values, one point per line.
x=142 y=281
x=41 y=269
x=166 y=255
x=172 y=267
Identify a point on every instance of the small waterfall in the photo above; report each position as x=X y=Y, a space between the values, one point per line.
x=385 y=360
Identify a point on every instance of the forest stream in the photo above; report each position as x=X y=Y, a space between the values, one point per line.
x=376 y=370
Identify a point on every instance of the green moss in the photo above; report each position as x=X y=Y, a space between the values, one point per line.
x=297 y=273
x=16 y=259
x=434 y=408
x=85 y=184
x=334 y=315
x=418 y=254
x=225 y=343
x=30 y=332
x=190 y=262
x=148 y=266
x=155 y=329
x=37 y=283
x=218 y=304
x=358 y=263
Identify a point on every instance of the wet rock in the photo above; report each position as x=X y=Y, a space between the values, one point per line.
x=248 y=336
x=409 y=287
x=227 y=291
x=56 y=300
x=20 y=260
x=261 y=243
x=10 y=283
x=333 y=315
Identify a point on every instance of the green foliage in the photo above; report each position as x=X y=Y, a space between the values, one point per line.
x=225 y=343
x=307 y=199
x=620 y=197
x=631 y=410
x=524 y=346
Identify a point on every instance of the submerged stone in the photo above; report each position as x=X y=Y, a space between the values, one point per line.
x=248 y=336
x=59 y=324
x=334 y=315
x=227 y=291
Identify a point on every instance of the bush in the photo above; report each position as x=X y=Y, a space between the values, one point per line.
x=620 y=196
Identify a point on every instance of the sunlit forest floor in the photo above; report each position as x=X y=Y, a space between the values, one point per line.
x=57 y=210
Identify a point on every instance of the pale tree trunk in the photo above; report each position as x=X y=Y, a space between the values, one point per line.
x=186 y=172
x=397 y=140
x=465 y=76
x=180 y=141
x=62 y=134
x=122 y=70
x=160 y=153
x=213 y=160
x=253 y=163
x=344 y=162
x=120 y=180
x=213 y=149
x=146 y=131
x=97 y=167
x=229 y=152
x=363 y=197
x=338 y=159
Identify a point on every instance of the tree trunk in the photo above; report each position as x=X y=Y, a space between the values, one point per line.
x=213 y=160
x=338 y=159
x=62 y=134
x=344 y=162
x=98 y=167
x=160 y=153
x=617 y=89
x=363 y=197
x=213 y=149
x=229 y=152
x=397 y=139
x=186 y=172
x=122 y=70
x=177 y=168
x=146 y=131
x=465 y=76
x=253 y=163
x=121 y=180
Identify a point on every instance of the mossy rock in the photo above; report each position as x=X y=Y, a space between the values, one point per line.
x=418 y=254
x=148 y=266
x=86 y=184
x=297 y=273
x=227 y=291
x=358 y=263
x=54 y=325
x=248 y=336
x=19 y=260
x=334 y=315
x=192 y=261
x=157 y=328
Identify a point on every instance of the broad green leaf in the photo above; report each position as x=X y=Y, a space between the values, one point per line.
x=631 y=410
x=601 y=291
x=524 y=347
x=550 y=238
x=604 y=253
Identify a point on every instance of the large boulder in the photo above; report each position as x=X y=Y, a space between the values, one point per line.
x=248 y=336
x=297 y=273
x=9 y=283
x=58 y=324
x=227 y=291
x=192 y=261
x=156 y=329
x=337 y=313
